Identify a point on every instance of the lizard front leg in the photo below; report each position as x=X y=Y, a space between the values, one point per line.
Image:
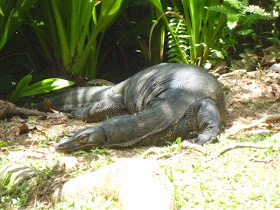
x=100 y=110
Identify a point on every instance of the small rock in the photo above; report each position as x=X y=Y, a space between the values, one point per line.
x=274 y=109
x=275 y=68
x=278 y=80
x=16 y=155
x=68 y=162
x=276 y=136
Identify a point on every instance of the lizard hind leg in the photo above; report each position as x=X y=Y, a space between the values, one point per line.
x=208 y=121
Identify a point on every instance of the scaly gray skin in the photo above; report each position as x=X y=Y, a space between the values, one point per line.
x=156 y=105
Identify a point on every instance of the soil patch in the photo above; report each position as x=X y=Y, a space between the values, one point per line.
x=250 y=96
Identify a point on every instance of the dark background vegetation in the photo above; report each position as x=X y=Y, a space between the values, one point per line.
x=125 y=44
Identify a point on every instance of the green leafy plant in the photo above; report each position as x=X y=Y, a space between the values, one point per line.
x=81 y=152
x=275 y=38
x=100 y=151
x=24 y=89
x=3 y=144
x=17 y=195
x=246 y=24
x=11 y=17
x=42 y=144
x=193 y=30
x=5 y=22
x=179 y=28
x=157 y=35
x=102 y=160
x=72 y=31
x=198 y=29
x=240 y=13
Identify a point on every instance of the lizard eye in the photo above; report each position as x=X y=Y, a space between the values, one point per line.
x=83 y=139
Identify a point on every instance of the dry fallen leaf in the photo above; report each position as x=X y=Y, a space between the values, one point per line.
x=26 y=127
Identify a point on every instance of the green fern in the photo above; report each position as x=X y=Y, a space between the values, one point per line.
x=237 y=4
x=240 y=10
x=179 y=30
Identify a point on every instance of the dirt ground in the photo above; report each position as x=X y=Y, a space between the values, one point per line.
x=250 y=96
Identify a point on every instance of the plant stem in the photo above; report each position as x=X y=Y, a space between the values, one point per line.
x=62 y=37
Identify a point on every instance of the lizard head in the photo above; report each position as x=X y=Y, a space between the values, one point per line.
x=82 y=140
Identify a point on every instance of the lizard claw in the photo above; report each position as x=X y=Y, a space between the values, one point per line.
x=204 y=139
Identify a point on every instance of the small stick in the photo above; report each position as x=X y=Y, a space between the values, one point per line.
x=167 y=155
x=266 y=119
x=183 y=145
x=236 y=146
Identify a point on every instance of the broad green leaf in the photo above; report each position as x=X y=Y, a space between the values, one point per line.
x=43 y=86
x=46 y=86
x=1 y=12
x=109 y=11
x=3 y=39
x=110 y=7
x=23 y=83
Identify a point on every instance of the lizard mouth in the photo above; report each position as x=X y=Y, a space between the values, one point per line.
x=72 y=143
x=67 y=145
x=68 y=149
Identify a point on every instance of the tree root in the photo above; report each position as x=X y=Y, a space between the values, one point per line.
x=236 y=146
x=183 y=145
x=8 y=110
x=167 y=155
x=255 y=123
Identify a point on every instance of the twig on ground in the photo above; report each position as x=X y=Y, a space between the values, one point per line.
x=182 y=146
x=150 y=151
x=262 y=161
x=266 y=119
x=236 y=146
x=166 y=155
x=196 y=147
